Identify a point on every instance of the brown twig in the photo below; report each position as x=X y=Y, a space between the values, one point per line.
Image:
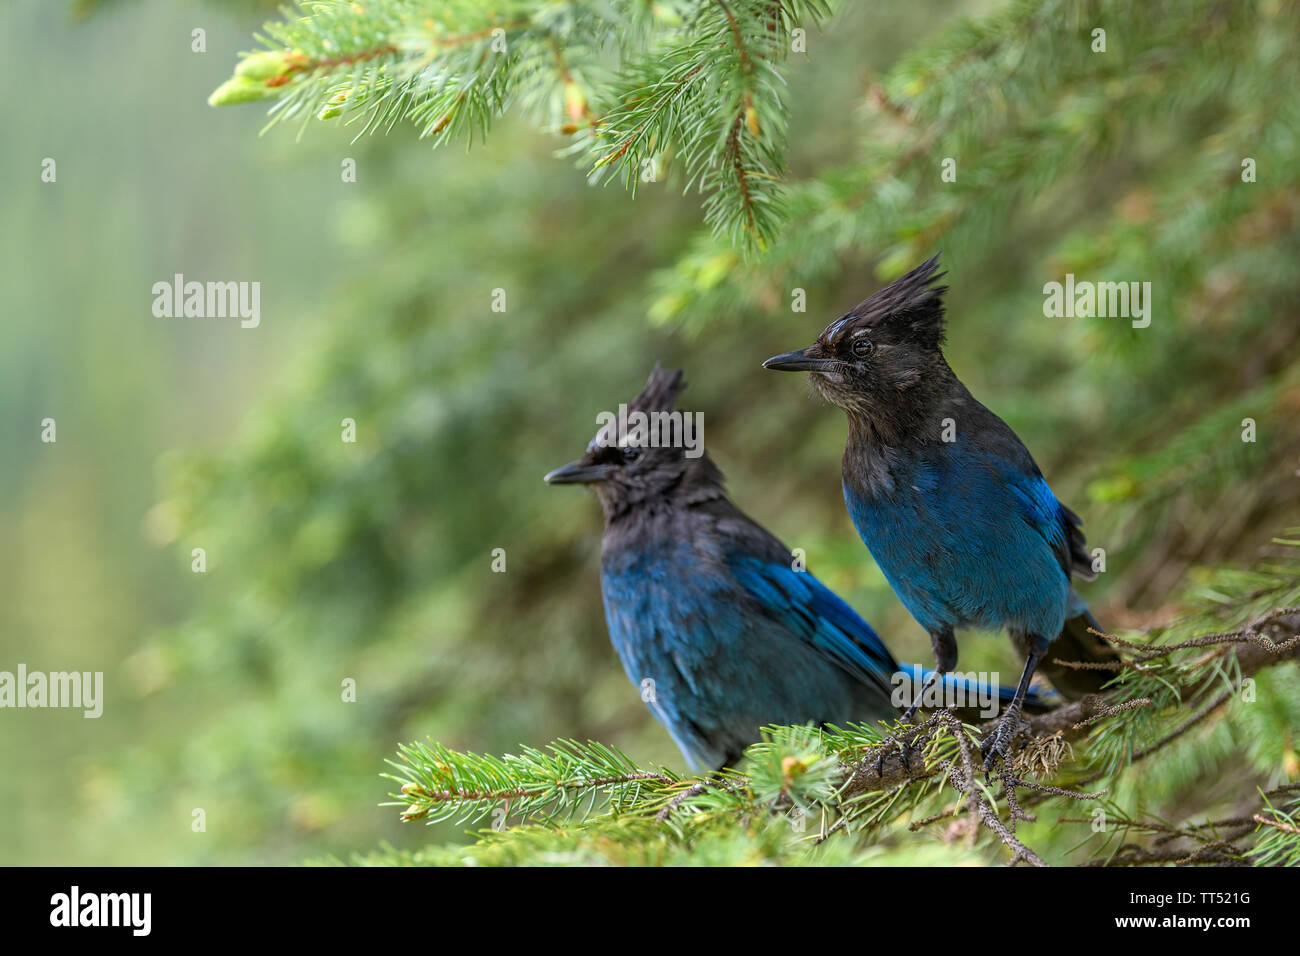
x=1276 y=824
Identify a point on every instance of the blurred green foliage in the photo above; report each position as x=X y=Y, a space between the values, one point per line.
x=372 y=561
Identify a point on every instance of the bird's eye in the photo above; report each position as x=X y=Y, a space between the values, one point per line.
x=631 y=454
x=862 y=348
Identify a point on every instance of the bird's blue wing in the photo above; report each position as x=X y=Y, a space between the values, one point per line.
x=1041 y=510
x=810 y=609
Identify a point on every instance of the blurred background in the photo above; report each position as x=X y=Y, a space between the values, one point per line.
x=373 y=561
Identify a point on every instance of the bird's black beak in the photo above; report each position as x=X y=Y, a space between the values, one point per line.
x=576 y=473
x=798 y=361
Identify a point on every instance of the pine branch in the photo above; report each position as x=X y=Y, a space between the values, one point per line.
x=857 y=781
x=1214 y=842
x=1245 y=652
x=1055 y=107
x=1280 y=845
x=437 y=783
x=697 y=82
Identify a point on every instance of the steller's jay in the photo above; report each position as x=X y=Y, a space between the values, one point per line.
x=706 y=610
x=947 y=498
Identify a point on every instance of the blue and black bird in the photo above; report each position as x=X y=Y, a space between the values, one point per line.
x=707 y=611
x=946 y=497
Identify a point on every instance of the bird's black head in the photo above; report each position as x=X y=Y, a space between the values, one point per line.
x=627 y=470
x=877 y=354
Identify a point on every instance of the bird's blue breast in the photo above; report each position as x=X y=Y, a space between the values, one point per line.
x=722 y=643
x=965 y=540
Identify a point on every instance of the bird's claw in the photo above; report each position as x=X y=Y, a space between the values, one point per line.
x=999 y=739
x=904 y=752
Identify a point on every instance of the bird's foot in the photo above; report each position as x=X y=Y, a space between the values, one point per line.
x=997 y=743
x=911 y=731
x=902 y=744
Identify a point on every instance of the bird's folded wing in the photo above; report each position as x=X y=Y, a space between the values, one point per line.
x=1046 y=515
x=818 y=615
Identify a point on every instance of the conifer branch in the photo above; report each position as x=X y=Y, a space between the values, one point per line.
x=857 y=781
x=696 y=81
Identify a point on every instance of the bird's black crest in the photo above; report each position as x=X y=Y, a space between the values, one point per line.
x=660 y=392
x=912 y=305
